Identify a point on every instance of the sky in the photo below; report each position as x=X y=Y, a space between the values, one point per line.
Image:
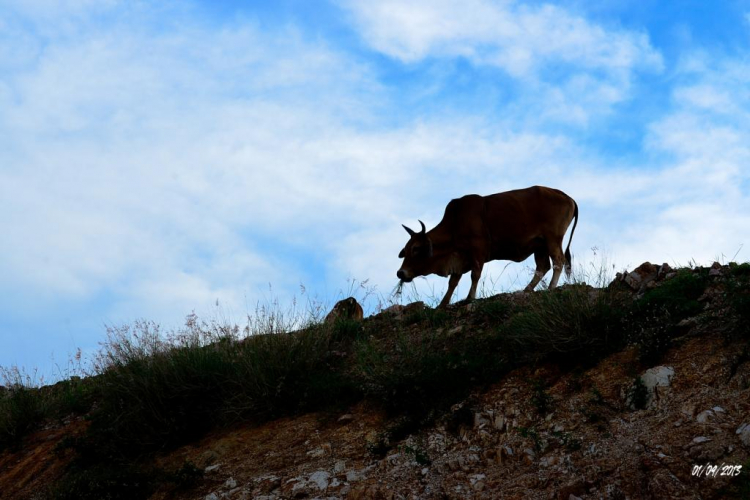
x=159 y=158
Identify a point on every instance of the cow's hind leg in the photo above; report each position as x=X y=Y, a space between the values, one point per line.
x=452 y=283
x=541 y=257
x=558 y=262
x=476 y=273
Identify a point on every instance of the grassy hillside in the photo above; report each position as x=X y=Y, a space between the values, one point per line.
x=151 y=393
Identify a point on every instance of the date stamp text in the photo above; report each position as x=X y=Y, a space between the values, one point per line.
x=710 y=470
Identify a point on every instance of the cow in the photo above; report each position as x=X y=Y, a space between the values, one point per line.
x=345 y=309
x=505 y=226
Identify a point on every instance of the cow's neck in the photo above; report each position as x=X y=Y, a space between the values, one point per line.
x=446 y=260
x=439 y=238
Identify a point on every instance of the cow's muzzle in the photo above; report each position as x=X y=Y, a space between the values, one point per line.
x=404 y=276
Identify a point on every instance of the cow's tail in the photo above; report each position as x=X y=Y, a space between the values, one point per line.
x=568 y=257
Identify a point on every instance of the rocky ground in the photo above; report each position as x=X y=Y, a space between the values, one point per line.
x=577 y=436
x=589 y=445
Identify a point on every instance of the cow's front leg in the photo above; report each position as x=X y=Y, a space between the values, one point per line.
x=476 y=272
x=452 y=284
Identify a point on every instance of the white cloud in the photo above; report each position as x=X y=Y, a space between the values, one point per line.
x=134 y=161
x=530 y=43
x=516 y=37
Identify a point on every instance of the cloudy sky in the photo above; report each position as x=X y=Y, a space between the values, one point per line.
x=159 y=157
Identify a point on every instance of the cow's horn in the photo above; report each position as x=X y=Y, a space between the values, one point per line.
x=423 y=228
x=411 y=233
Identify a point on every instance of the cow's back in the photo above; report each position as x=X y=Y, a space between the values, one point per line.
x=516 y=219
x=517 y=209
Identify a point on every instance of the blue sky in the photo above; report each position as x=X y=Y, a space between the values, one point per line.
x=159 y=157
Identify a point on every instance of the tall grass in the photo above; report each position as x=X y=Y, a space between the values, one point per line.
x=22 y=407
x=167 y=391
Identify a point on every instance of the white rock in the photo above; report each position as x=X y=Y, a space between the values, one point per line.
x=320 y=479
x=353 y=475
x=659 y=376
x=212 y=496
x=339 y=467
x=718 y=409
x=476 y=477
x=744 y=433
x=701 y=439
x=704 y=416
x=212 y=468
x=317 y=452
x=345 y=419
x=231 y=483
x=480 y=420
x=548 y=461
x=656 y=378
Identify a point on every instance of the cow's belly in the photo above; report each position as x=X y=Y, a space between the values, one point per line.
x=515 y=252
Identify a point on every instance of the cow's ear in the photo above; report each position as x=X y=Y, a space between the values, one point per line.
x=401 y=254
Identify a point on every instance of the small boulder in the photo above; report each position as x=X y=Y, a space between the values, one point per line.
x=744 y=433
x=345 y=419
x=641 y=276
x=320 y=479
x=715 y=269
x=348 y=309
x=704 y=416
x=657 y=381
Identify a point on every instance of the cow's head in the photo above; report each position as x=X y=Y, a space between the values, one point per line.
x=416 y=255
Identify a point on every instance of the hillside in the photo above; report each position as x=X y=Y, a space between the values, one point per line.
x=616 y=392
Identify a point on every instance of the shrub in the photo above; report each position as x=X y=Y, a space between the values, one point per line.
x=638 y=394
x=435 y=318
x=541 y=400
x=493 y=310
x=569 y=325
x=168 y=392
x=105 y=482
x=651 y=331
x=737 y=296
x=21 y=410
x=344 y=329
x=677 y=296
x=427 y=372
x=22 y=406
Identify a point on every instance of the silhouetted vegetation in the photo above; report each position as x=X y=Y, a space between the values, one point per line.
x=153 y=392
